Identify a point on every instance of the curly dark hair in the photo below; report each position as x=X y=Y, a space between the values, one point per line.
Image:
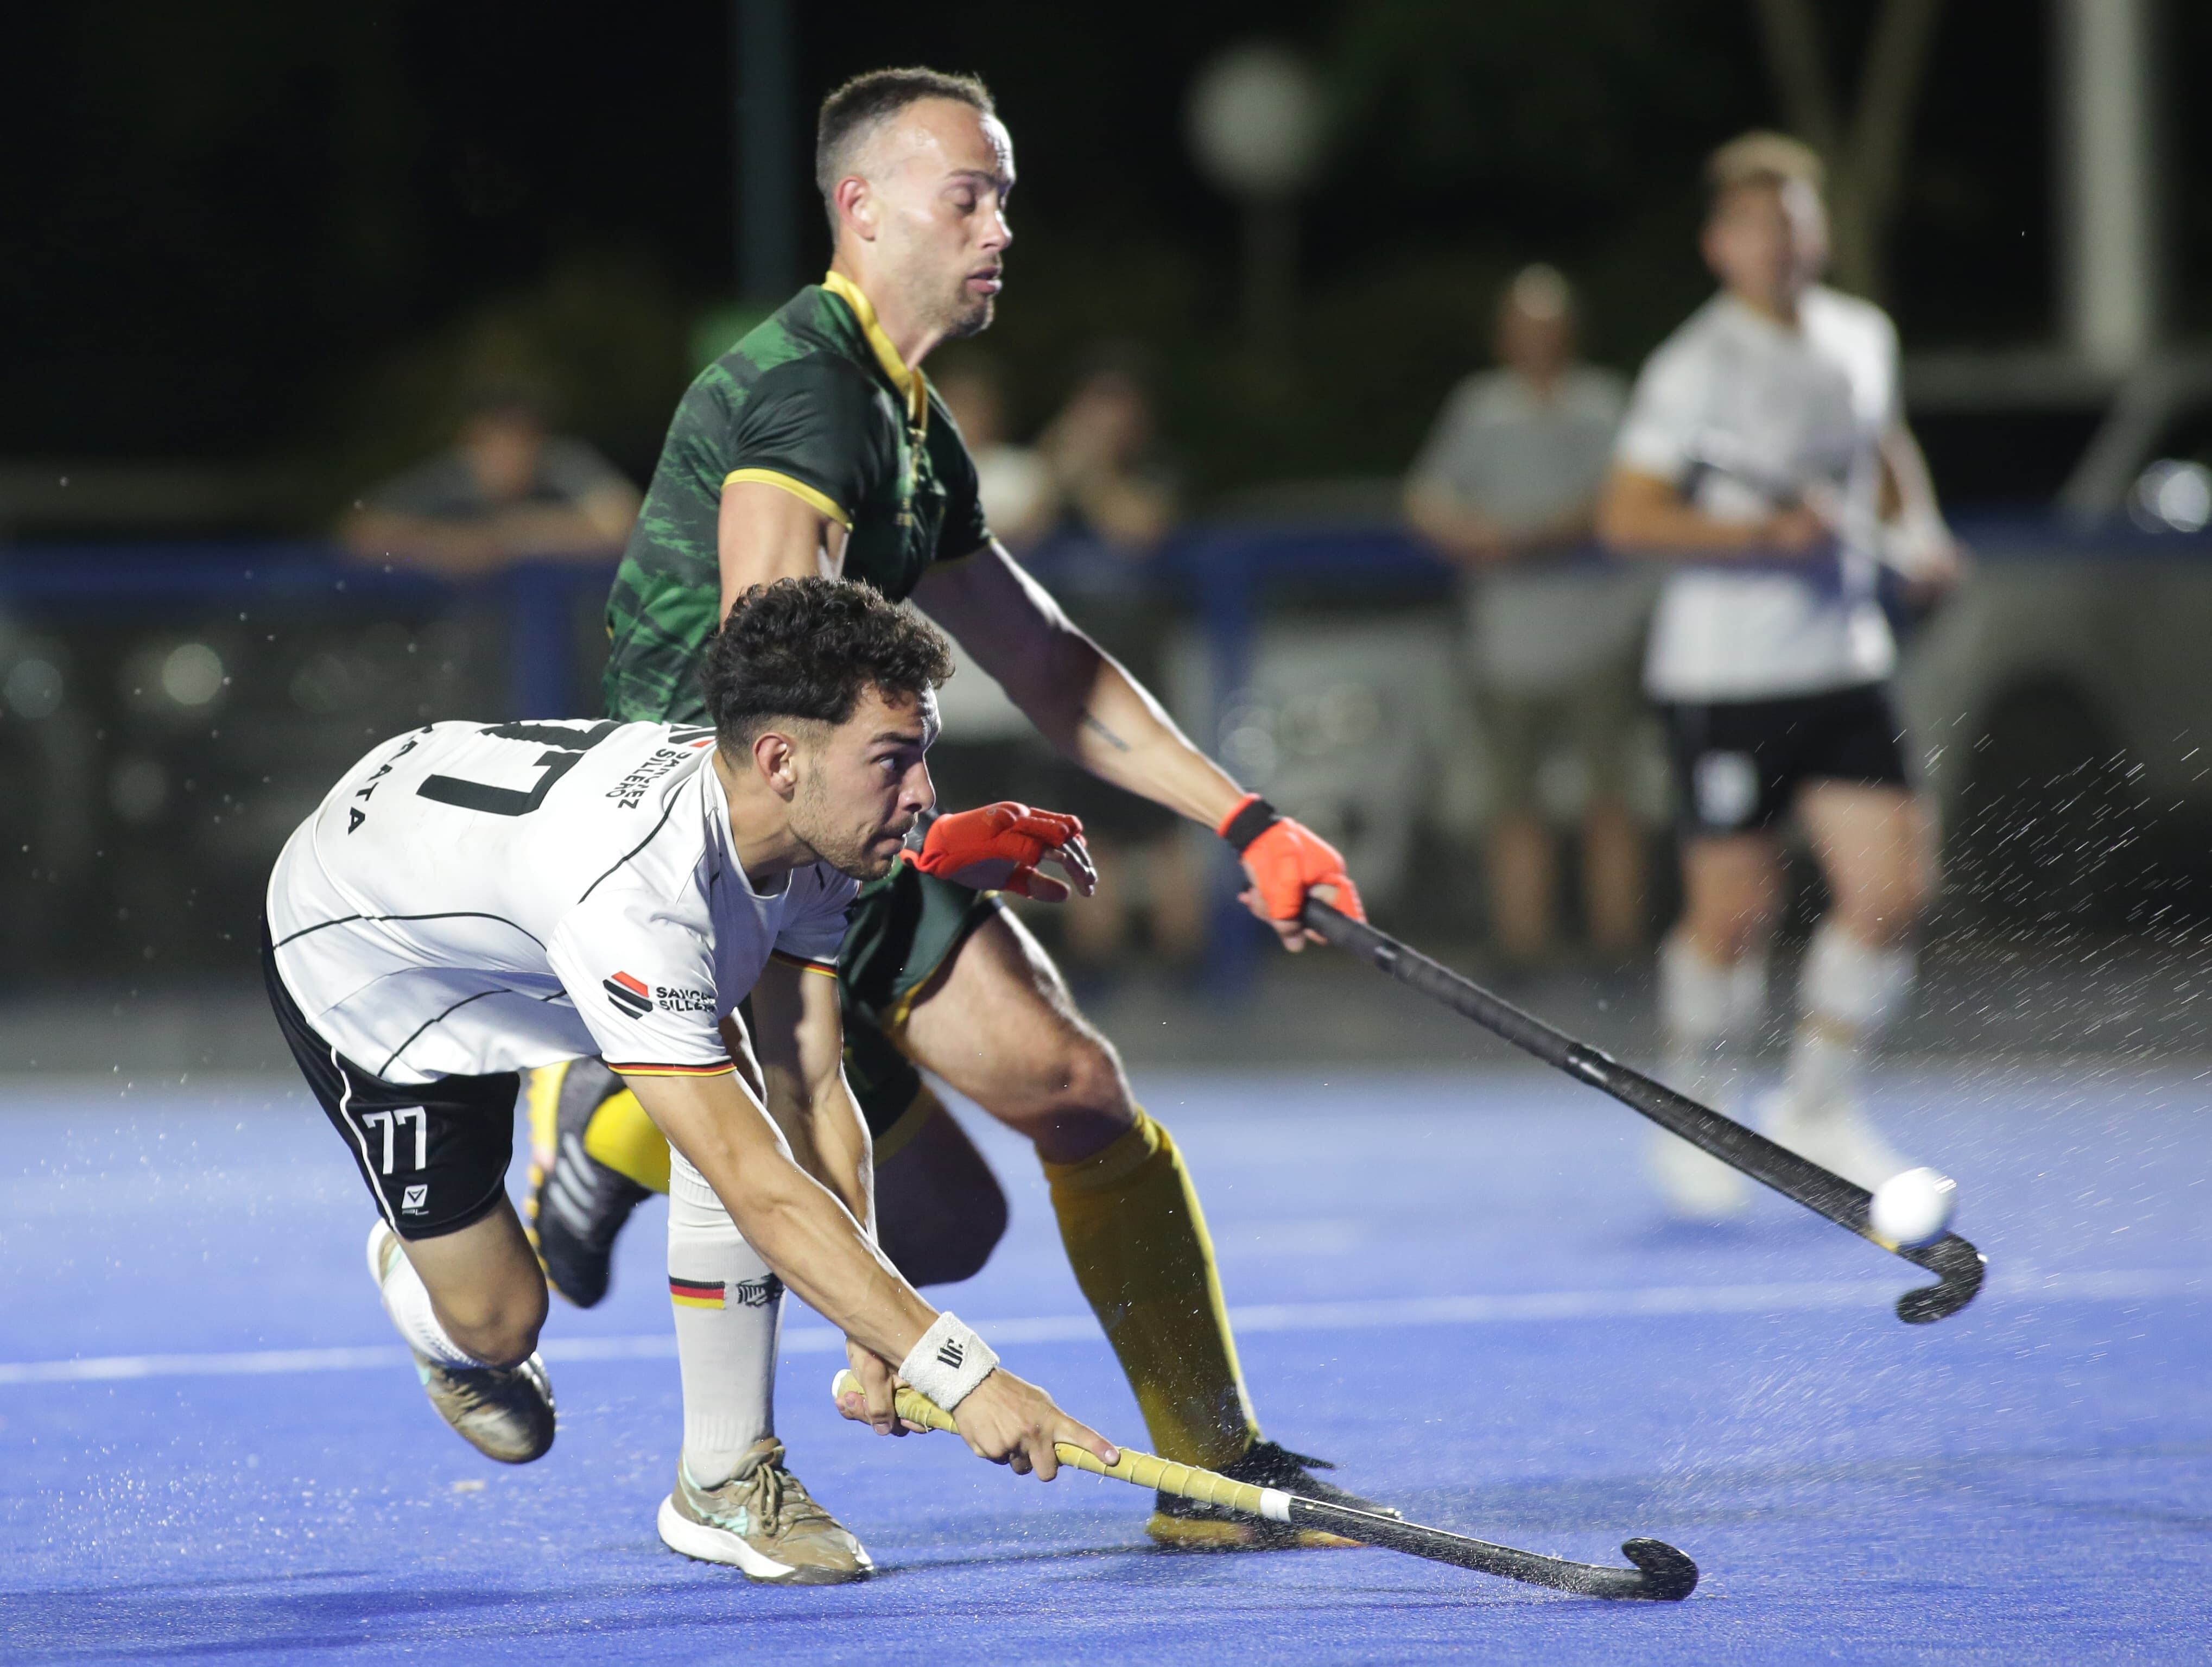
x=853 y=111
x=806 y=648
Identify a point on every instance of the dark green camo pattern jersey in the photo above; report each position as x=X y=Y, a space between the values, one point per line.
x=807 y=402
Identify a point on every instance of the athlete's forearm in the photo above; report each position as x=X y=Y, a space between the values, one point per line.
x=1910 y=489
x=802 y=1052
x=1642 y=515
x=829 y=1138
x=804 y=1232
x=1079 y=698
x=1121 y=734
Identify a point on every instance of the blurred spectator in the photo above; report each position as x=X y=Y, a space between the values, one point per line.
x=1114 y=501
x=1506 y=488
x=1019 y=501
x=1102 y=449
x=507 y=490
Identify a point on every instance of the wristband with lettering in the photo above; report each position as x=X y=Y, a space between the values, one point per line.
x=948 y=1362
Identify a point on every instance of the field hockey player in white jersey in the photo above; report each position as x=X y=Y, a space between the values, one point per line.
x=1766 y=456
x=473 y=900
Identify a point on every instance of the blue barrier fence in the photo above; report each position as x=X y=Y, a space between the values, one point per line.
x=1226 y=576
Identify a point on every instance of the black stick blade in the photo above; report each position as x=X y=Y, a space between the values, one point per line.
x=1960 y=1268
x=1958 y=1265
x=1661 y=1574
x=1668 y=1575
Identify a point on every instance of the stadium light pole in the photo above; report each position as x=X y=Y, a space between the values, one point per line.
x=2109 y=185
x=762 y=69
x=1256 y=124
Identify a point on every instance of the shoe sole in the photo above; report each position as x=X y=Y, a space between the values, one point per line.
x=1219 y=1534
x=704 y=1544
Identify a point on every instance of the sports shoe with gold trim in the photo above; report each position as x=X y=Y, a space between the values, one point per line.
x=763 y=1522
x=505 y=1413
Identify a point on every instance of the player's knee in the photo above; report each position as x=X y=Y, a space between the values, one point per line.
x=1084 y=1076
x=1727 y=925
x=1883 y=908
x=499 y=1329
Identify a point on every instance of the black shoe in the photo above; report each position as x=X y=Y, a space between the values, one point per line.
x=577 y=1205
x=1189 y=1526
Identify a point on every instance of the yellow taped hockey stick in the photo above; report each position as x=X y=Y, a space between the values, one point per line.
x=1662 y=1573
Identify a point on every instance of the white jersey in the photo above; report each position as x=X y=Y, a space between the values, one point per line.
x=1746 y=417
x=475 y=898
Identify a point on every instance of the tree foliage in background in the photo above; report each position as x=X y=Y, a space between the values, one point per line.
x=245 y=229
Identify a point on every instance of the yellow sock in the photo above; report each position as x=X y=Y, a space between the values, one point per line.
x=620 y=1136
x=1137 y=1240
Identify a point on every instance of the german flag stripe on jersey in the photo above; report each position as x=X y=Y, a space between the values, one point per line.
x=696 y=1292
x=622 y=1069
x=827 y=968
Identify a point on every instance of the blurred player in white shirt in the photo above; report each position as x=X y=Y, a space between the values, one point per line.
x=1765 y=453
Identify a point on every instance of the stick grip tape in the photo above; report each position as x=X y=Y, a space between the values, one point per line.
x=1138 y=1469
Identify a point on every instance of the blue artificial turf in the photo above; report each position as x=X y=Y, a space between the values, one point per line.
x=1457 y=1287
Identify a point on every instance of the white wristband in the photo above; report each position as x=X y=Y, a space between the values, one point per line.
x=948 y=1362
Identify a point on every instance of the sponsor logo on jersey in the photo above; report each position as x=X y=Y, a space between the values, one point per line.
x=415 y=1201
x=629 y=994
x=628 y=792
x=674 y=999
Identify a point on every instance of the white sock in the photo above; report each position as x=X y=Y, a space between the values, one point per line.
x=1708 y=1012
x=407 y=1300
x=1847 y=995
x=729 y=1310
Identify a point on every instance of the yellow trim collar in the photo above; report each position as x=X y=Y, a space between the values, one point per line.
x=908 y=382
x=797 y=489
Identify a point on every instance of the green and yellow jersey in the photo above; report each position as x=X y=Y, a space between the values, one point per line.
x=815 y=401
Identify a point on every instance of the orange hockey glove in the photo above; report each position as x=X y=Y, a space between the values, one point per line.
x=1286 y=861
x=998 y=849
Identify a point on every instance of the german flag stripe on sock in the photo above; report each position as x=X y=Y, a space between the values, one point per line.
x=696 y=1292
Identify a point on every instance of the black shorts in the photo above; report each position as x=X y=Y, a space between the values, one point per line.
x=434 y=1154
x=1738 y=765
x=902 y=929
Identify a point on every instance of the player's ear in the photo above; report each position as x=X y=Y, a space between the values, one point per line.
x=775 y=757
x=857 y=207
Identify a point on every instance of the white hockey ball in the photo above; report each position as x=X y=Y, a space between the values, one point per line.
x=1913 y=1207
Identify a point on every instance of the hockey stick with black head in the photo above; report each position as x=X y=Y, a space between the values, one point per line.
x=1957 y=1266
x=1661 y=1574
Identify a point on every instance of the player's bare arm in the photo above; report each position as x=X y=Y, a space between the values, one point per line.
x=801 y=1049
x=1076 y=694
x=1916 y=540
x=766 y=533
x=1643 y=515
x=1098 y=717
x=819 y=1250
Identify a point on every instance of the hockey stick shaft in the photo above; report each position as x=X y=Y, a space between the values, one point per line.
x=1957 y=1264
x=1661 y=1574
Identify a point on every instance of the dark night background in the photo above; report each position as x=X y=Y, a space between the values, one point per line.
x=244 y=231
